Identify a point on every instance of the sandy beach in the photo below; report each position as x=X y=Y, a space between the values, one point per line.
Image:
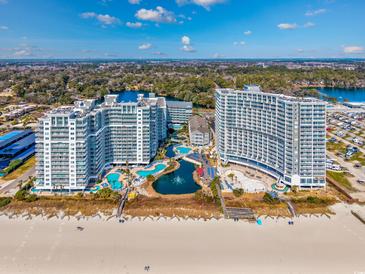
x=312 y=245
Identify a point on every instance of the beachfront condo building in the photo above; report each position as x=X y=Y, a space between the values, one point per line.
x=74 y=144
x=179 y=112
x=280 y=135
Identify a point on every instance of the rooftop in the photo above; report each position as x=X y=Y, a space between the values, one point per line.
x=179 y=104
x=23 y=143
x=81 y=108
x=257 y=90
x=197 y=123
x=13 y=136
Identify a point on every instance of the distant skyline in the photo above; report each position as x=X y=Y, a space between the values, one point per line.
x=182 y=29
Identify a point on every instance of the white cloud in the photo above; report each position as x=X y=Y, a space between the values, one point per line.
x=104 y=19
x=247 y=32
x=309 y=25
x=315 y=12
x=159 y=53
x=24 y=50
x=203 y=3
x=145 y=46
x=218 y=55
x=188 y=48
x=240 y=43
x=4 y=28
x=185 y=40
x=105 y=2
x=134 y=25
x=23 y=53
x=285 y=26
x=159 y=15
x=135 y=2
x=353 y=49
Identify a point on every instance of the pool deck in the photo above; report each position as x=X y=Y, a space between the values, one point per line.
x=248 y=174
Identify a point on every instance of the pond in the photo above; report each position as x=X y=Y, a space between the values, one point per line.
x=132 y=95
x=353 y=95
x=170 y=151
x=178 y=182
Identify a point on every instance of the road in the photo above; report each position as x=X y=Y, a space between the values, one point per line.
x=13 y=184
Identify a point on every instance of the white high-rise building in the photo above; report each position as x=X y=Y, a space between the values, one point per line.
x=75 y=144
x=280 y=135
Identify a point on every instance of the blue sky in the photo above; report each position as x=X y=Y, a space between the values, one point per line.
x=181 y=28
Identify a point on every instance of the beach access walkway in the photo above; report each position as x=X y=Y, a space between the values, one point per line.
x=122 y=202
x=240 y=213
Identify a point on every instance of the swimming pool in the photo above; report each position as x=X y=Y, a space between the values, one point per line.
x=176 y=126
x=113 y=180
x=183 y=150
x=145 y=173
x=96 y=189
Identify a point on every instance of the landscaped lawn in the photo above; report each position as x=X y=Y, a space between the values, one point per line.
x=359 y=156
x=336 y=147
x=20 y=170
x=340 y=177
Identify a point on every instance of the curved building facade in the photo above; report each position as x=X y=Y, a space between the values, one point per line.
x=280 y=135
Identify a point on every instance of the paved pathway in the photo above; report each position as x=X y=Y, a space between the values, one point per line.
x=7 y=187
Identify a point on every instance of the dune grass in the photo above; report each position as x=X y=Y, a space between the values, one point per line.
x=341 y=178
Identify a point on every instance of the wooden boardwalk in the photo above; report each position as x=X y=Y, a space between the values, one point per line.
x=122 y=202
x=240 y=213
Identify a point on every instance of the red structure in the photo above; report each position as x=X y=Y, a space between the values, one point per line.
x=200 y=171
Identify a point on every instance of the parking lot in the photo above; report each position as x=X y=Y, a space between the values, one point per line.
x=346 y=148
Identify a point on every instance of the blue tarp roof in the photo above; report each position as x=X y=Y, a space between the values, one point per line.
x=18 y=146
x=13 y=136
x=30 y=151
x=4 y=162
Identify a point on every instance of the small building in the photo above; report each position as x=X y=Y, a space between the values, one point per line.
x=199 y=131
x=178 y=112
x=18 y=111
